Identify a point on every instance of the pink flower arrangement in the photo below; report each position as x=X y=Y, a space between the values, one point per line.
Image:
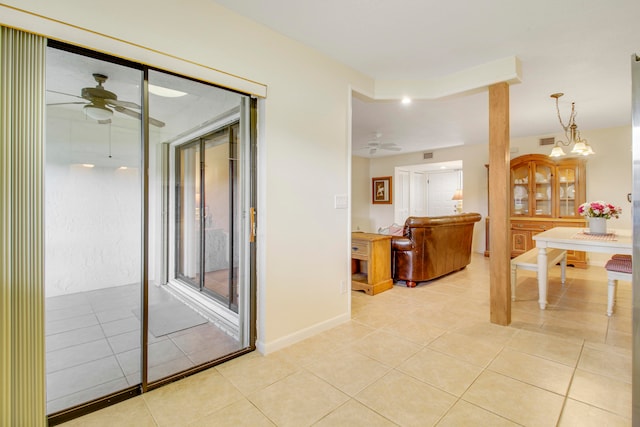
x=599 y=209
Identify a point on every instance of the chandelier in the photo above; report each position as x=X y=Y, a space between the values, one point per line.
x=580 y=146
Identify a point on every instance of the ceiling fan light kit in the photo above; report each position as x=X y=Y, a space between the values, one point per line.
x=98 y=112
x=580 y=146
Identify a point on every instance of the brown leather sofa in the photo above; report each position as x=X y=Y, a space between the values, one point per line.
x=432 y=247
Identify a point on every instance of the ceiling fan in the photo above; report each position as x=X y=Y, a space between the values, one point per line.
x=376 y=144
x=100 y=103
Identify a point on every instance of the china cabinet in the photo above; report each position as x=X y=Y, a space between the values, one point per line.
x=545 y=194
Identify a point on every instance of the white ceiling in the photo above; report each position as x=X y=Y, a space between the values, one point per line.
x=580 y=47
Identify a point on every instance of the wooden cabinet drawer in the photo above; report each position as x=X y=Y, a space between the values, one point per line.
x=519 y=242
x=522 y=233
x=531 y=226
x=359 y=249
x=577 y=224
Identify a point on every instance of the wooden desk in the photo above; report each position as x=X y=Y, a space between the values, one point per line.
x=375 y=251
x=568 y=238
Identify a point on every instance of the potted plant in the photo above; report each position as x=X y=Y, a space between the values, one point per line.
x=598 y=212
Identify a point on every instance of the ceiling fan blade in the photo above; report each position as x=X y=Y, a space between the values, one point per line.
x=156 y=122
x=393 y=148
x=63 y=93
x=127 y=112
x=389 y=146
x=373 y=150
x=119 y=103
x=67 y=103
x=137 y=115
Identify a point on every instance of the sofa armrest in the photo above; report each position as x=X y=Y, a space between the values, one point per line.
x=401 y=244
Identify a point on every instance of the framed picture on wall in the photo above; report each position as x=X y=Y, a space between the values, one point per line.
x=381 y=190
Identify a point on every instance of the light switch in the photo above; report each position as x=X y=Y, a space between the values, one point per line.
x=341 y=201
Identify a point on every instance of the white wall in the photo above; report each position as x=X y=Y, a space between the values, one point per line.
x=361 y=219
x=609 y=176
x=92 y=216
x=303 y=241
x=92 y=228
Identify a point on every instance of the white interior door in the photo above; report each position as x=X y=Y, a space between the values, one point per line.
x=402 y=196
x=426 y=190
x=440 y=189
x=418 y=205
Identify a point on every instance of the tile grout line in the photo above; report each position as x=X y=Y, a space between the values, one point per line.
x=566 y=395
x=460 y=398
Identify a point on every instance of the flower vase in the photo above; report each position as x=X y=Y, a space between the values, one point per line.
x=598 y=225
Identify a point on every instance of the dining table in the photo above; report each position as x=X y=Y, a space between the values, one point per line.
x=615 y=241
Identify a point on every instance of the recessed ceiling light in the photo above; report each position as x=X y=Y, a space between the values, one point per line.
x=88 y=165
x=406 y=100
x=167 y=93
x=123 y=168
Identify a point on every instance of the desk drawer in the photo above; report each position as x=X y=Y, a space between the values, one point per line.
x=360 y=249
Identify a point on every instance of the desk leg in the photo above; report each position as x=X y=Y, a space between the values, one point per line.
x=543 y=274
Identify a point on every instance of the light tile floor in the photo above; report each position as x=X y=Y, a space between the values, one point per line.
x=93 y=344
x=423 y=357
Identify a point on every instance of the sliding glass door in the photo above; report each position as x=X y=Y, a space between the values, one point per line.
x=149 y=186
x=209 y=220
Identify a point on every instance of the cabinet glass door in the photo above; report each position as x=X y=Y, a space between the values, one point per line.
x=520 y=190
x=542 y=190
x=567 y=191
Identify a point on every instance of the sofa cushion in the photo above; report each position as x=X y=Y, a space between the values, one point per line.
x=392 y=230
x=623 y=265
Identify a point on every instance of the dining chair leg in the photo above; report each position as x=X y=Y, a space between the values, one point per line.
x=611 y=295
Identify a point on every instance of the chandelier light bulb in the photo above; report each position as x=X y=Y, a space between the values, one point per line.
x=557 y=152
x=588 y=151
x=579 y=148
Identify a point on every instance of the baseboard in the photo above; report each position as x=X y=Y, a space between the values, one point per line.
x=280 y=343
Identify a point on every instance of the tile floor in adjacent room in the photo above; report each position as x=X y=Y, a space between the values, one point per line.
x=426 y=356
x=93 y=344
